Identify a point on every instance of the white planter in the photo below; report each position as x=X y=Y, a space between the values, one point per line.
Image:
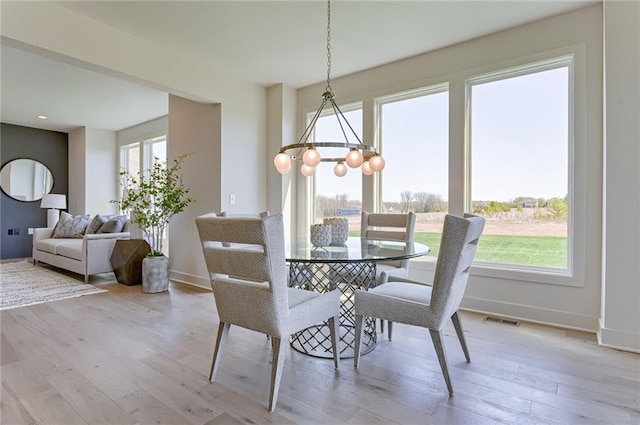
x=320 y=235
x=339 y=229
x=155 y=274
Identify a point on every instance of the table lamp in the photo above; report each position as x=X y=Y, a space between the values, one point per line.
x=54 y=203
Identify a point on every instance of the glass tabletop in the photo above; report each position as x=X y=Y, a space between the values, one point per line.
x=355 y=250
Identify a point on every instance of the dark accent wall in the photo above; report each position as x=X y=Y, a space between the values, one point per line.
x=48 y=147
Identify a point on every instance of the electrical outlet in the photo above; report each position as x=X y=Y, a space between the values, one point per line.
x=11 y=232
x=30 y=231
x=16 y=232
x=232 y=199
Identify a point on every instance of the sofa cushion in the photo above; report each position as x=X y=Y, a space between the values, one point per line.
x=51 y=245
x=71 y=249
x=113 y=225
x=96 y=222
x=70 y=226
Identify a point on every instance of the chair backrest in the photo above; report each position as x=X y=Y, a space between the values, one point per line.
x=262 y=214
x=388 y=226
x=458 y=246
x=244 y=257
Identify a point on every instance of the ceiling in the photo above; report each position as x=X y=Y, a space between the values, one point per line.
x=267 y=42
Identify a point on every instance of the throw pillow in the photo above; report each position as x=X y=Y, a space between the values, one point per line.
x=70 y=226
x=113 y=225
x=96 y=223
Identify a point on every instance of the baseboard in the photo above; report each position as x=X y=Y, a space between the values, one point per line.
x=620 y=340
x=190 y=279
x=532 y=314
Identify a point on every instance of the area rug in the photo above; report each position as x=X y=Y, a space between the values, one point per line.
x=23 y=284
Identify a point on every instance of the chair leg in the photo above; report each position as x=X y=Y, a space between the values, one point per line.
x=436 y=337
x=335 y=338
x=277 y=365
x=389 y=329
x=463 y=342
x=223 y=331
x=381 y=325
x=358 y=341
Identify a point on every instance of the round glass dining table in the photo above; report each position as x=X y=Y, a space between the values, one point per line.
x=347 y=267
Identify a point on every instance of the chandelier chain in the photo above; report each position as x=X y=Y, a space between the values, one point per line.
x=305 y=150
x=328 y=46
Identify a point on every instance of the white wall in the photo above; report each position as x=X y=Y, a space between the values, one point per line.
x=194 y=128
x=281 y=130
x=101 y=179
x=92 y=171
x=620 y=323
x=77 y=166
x=515 y=295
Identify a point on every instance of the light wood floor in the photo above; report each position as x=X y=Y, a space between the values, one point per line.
x=125 y=357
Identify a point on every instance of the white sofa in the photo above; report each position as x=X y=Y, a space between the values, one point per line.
x=89 y=255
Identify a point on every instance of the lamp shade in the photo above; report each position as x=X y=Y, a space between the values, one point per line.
x=52 y=200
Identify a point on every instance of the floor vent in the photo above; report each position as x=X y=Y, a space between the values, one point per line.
x=491 y=319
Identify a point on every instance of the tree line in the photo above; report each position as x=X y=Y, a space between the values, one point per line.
x=424 y=202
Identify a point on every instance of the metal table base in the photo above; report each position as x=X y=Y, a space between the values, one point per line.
x=324 y=277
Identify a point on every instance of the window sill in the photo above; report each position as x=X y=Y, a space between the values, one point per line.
x=545 y=276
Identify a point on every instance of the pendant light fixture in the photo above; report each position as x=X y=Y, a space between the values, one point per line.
x=356 y=153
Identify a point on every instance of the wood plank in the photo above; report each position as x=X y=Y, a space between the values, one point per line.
x=50 y=407
x=146 y=409
x=11 y=409
x=7 y=353
x=90 y=403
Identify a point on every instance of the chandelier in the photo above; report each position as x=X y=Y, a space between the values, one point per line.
x=356 y=154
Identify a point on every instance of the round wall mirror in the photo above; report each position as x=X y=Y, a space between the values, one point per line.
x=25 y=179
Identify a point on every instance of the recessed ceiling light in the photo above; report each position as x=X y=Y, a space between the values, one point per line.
x=43 y=117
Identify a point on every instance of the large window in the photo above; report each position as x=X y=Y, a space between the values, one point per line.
x=141 y=155
x=130 y=158
x=414 y=140
x=519 y=164
x=499 y=144
x=338 y=196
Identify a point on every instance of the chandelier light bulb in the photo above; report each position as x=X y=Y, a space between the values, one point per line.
x=340 y=169
x=376 y=163
x=311 y=157
x=354 y=158
x=366 y=169
x=282 y=161
x=307 y=171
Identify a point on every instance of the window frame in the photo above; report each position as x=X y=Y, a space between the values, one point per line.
x=145 y=143
x=515 y=271
x=147 y=150
x=124 y=149
x=379 y=102
x=566 y=61
x=310 y=182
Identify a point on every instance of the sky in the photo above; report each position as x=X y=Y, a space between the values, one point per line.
x=519 y=142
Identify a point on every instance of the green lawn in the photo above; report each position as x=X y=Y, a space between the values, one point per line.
x=540 y=251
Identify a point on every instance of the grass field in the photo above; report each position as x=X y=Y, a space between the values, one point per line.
x=537 y=251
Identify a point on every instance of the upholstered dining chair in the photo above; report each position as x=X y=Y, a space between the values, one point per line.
x=256 y=297
x=388 y=226
x=424 y=304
